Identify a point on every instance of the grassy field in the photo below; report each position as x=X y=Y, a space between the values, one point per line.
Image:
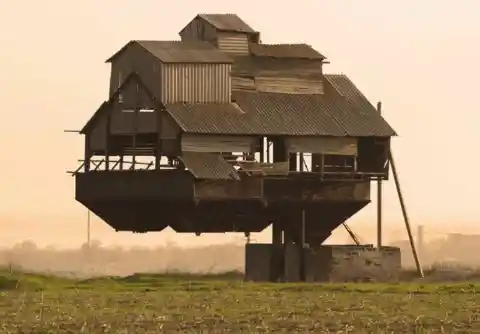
x=223 y=303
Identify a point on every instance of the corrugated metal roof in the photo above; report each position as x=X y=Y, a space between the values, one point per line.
x=214 y=118
x=300 y=51
x=261 y=113
x=289 y=114
x=353 y=110
x=227 y=22
x=208 y=166
x=181 y=51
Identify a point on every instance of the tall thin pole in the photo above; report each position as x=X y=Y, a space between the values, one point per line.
x=303 y=229
x=379 y=199
x=405 y=216
x=302 y=246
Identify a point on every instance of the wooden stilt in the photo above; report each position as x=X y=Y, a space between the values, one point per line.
x=379 y=199
x=302 y=249
x=405 y=216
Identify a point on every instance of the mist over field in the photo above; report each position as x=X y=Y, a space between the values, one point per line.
x=102 y=260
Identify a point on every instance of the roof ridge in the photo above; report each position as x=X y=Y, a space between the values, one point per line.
x=222 y=14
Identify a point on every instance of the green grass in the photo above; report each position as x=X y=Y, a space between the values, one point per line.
x=223 y=303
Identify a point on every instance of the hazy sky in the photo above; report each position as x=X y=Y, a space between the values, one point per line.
x=421 y=58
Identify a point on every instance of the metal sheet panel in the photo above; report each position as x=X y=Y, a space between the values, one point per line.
x=208 y=166
x=236 y=43
x=323 y=145
x=196 y=83
x=288 y=85
x=202 y=143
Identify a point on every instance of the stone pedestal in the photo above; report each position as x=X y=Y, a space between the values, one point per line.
x=328 y=263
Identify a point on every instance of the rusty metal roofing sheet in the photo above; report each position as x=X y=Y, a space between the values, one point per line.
x=300 y=51
x=353 y=110
x=208 y=166
x=227 y=22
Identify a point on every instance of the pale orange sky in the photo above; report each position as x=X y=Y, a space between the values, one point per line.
x=421 y=58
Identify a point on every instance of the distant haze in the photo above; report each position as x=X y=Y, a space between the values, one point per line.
x=421 y=58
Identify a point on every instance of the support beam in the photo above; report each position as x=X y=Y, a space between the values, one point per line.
x=276 y=234
x=278 y=254
x=302 y=162
x=262 y=149
x=302 y=247
x=158 y=149
x=108 y=137
x=405 y=216
x=135 y=128
x=87 y=155
x=379 y=199
x=292 y=162
x=352 y=235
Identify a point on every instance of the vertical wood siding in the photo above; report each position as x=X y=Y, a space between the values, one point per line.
x=196 y=83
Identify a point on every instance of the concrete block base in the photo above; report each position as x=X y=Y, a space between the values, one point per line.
x=327 y=263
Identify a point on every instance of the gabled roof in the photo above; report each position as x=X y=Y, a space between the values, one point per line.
x=105 y=106
x=227 y=22
x=180 y=51
x=299 y=51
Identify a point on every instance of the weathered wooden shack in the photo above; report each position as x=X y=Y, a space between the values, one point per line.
x=240 y=135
